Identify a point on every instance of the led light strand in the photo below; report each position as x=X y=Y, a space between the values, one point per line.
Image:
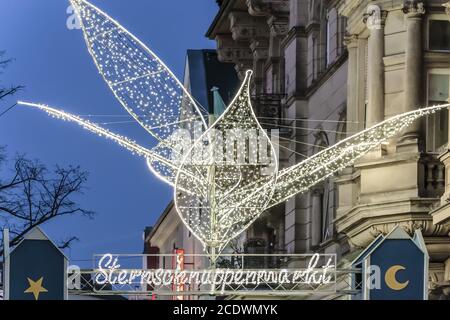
x=125 y=142
x=300 y=177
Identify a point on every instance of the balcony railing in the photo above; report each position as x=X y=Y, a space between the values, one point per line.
x=432 y=176
x=269 y=109
x=269 y=261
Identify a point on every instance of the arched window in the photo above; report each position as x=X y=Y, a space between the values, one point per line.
x=322 y=200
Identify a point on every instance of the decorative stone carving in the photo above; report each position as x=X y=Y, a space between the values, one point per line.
x=279 y=26
x=242 y=66
x=236 y=52
x=245 y=27
x=351 y=41
x=268 y=7
x=361 y=236
x=374 y=17
x=260 y=49
x=314 y=10
x=413 y=7
x=274 y=14
x=447 y=7
x=229 y=50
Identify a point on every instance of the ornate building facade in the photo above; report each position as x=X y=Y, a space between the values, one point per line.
x=324 y=69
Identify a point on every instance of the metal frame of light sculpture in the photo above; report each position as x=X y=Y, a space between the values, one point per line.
x=209 y=210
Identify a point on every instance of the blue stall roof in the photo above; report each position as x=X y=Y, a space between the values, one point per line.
x=396 y=233
x=37 y=234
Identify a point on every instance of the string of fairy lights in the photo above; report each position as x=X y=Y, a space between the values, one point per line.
x=218 y=192
x=123 y=141
x=320 y=166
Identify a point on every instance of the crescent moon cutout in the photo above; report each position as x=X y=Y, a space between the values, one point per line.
x=391 y=280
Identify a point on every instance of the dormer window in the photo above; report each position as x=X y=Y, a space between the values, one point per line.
x=439 y=34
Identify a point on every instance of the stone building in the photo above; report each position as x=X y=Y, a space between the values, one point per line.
x=324 y=69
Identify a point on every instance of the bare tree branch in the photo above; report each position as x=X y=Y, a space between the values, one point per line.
x=12 y=90
x=32 y=195
x=68 y=243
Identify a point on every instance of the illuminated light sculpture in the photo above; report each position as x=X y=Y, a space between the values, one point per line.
x=217 y=193
x=238 y=156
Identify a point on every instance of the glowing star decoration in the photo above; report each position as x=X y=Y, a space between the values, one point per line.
x=218 y=190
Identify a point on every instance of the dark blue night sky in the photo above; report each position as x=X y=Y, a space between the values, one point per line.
x=54 y=65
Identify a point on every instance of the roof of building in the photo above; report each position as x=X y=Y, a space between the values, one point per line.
x=37 y=234
x=204 y=72
x=159 y=221
x=396 y=233
x=221 y=22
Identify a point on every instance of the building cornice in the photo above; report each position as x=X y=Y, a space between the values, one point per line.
x=294 y=32
x=160 y=220
x=225 y=8
x=447 y=7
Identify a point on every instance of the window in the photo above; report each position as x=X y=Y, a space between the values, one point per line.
x=328 y=41
x=366 y=82
x=439 y=34
x=438 y=93
x=323 y=206
x=326 y=204
x=269 y=80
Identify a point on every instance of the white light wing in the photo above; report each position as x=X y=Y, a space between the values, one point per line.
x=299 y=178
x=124 y=142
x=143 y=84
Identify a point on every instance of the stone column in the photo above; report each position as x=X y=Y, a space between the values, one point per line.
x=375 y=19
x=278 y=29
x=260 y=49
x=414 y=11
x=316 y=219
x=351 y=43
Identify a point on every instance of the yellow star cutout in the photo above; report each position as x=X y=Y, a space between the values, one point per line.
x=35 y=287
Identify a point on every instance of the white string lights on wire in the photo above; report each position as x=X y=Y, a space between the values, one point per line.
x=218 y=193
x=125 y=142
x=305 y=174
